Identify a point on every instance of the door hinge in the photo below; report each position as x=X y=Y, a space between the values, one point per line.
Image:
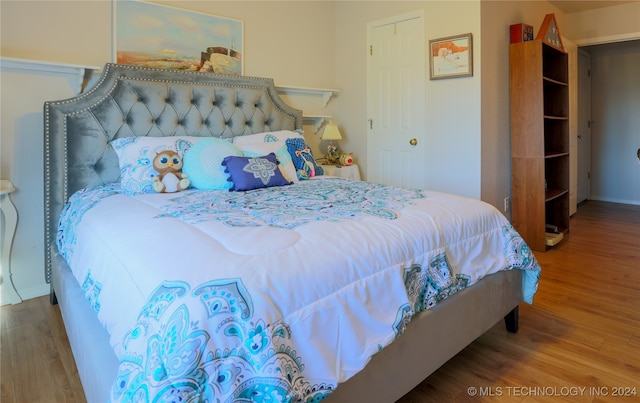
x=370 y=123
x=370 y=50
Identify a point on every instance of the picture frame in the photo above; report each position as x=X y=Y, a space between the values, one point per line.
x=154 y=35
x=451 y=57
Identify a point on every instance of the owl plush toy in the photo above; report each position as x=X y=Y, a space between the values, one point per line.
x=170 y=178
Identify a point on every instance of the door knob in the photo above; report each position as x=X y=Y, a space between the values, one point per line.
x=413 y=142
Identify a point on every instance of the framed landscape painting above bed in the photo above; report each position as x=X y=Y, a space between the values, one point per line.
x=152 y=35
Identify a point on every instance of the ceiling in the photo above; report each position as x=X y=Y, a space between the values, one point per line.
x=572 y=6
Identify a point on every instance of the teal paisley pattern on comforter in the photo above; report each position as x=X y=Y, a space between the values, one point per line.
x=232 y=298
x=332 y=199
x=257 y=361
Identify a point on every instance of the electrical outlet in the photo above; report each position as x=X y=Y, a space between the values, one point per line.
x=507 y=204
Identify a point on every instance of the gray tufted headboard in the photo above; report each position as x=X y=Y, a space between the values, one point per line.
x=140 y=101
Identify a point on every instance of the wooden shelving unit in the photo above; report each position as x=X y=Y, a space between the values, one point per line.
x=539 y=101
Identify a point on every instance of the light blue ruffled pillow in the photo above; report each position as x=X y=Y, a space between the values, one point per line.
x=203 y=163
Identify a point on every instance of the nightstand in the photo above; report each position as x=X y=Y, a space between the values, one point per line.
x=348 y=172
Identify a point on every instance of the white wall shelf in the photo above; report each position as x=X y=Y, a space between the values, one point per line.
x=325 y=93
x=82 y=72
x=315 y=120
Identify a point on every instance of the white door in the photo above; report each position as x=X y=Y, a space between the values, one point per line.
x=396 y=101
x=584 y=126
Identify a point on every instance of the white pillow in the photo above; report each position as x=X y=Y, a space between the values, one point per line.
x=260 y=144
x=267 y=137
x=282 y=155
x=136 y=154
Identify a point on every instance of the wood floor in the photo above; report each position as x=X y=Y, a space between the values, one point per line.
x=578 y=342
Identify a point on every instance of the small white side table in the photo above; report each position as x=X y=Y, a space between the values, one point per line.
x=10 y=215
x=348 y=172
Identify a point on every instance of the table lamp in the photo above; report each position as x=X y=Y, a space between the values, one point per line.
x=331 y=133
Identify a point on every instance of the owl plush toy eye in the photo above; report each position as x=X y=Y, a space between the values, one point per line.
x=168 y=165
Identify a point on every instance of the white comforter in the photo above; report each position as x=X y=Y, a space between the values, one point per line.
x=282 y=292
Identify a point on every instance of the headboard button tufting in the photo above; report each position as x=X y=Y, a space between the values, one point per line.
x=132 y=101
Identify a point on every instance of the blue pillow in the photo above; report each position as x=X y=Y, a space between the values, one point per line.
x=203 y=163
x=247 y=173
x=303 y=160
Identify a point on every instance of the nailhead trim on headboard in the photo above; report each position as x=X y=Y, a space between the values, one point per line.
x=159 y=102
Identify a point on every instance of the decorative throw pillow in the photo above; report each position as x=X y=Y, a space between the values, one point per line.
x=303 y=160
x=282 y=155
x=255 y=145
x=247 y=173
x=135 y=158
x=203 y=163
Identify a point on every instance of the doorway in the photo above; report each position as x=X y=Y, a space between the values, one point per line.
x=614 y=172
x=396 y=101
x=584 y=126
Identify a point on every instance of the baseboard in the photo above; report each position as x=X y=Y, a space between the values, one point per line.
x=612 y=200
x=35 y=291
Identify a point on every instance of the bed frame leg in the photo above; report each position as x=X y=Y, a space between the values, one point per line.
x=52 y=296
x=511 y=320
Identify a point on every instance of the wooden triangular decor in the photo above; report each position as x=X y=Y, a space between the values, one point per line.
x=549 y=32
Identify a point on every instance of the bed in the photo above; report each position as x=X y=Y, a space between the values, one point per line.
x=310 y=289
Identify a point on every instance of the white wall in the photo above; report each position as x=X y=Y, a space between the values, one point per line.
x=316 y=44
x=604 y=25
x=453 y=106
x=454 y=135
x=496 y=18
x=297 y=52
x=25 y=87
x=615 y=173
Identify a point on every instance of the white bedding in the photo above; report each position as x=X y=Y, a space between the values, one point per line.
x=282 y=292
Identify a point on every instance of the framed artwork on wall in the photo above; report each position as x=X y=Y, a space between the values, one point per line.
x=451 y=57
x=153 y=35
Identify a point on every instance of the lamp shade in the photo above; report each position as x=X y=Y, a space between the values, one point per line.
x=331 y=132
